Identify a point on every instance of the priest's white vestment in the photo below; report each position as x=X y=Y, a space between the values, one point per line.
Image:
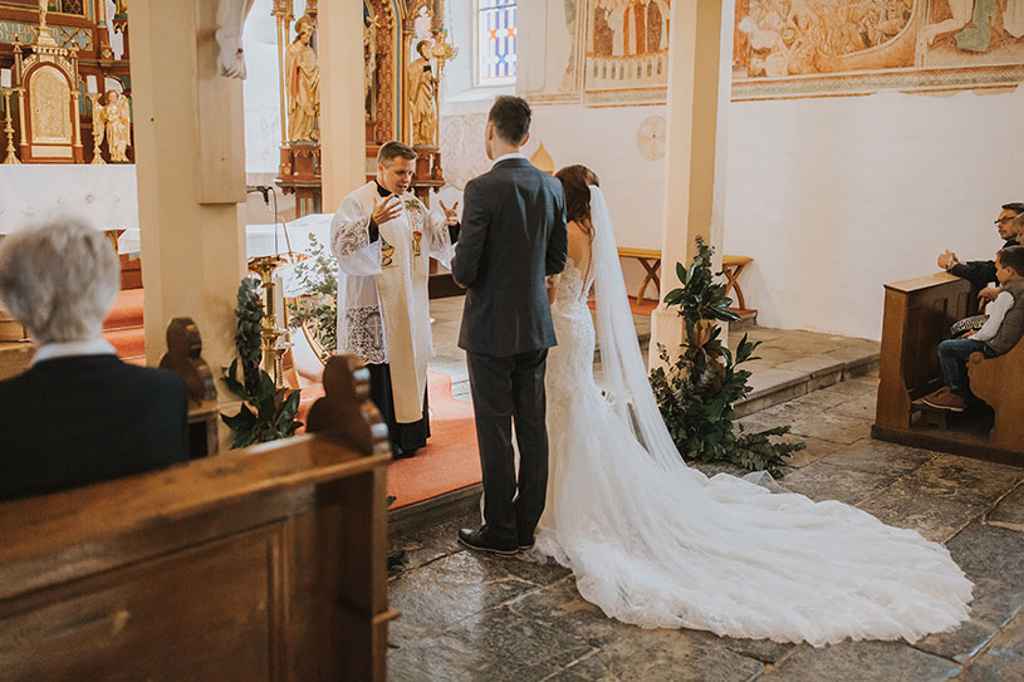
x=383 y=301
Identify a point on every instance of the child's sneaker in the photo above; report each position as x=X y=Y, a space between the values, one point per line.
x=945 y=399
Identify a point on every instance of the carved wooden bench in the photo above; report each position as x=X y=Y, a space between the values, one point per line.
x=259 y=564
x=1000 y=383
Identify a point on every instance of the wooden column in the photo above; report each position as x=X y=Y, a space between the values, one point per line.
x=342 y=119
x=189 y=147
x=694 y=93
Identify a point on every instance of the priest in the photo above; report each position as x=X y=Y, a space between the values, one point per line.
x=384 y=238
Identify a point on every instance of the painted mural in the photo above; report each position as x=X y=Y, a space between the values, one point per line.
x=626 y=53
x=815 y=48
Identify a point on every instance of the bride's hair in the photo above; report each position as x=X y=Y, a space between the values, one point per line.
x=576 y=181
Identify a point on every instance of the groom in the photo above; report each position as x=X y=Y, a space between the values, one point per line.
x=513 y=236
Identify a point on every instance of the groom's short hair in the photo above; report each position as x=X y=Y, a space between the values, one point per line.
x=394 y=150
x=511 y=118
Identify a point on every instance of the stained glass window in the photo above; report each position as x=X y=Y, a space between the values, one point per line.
x=496 y=42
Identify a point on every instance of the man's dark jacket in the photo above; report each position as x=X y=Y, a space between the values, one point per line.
x=513 y=236
x=72 y=421
x=979 y=272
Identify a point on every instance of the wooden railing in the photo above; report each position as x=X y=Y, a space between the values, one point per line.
x=261 y=564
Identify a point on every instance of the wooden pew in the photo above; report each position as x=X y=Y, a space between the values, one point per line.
x=1000 y=383
x=262 y=564
x=918 y=315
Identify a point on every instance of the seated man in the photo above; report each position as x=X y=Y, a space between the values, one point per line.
x=981 y=272
x=1003 y=329
x=78 y=415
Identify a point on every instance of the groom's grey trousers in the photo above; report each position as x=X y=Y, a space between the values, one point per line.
x=504 y=390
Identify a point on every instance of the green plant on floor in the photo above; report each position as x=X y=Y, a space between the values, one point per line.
x=267 y=413
x=317 y=309
x=697 y=390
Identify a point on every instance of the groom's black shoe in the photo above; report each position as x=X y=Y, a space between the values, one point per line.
x=526 y=543
x=482 y=541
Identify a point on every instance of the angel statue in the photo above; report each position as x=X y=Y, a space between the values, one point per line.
x=115 y=119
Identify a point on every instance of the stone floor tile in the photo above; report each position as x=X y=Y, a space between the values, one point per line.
x=991 y=557
x=814 y=450
x=813 y=365
x=822 y=481
x=518 y=648
x=773 y=379
x=670 y=655
x=424 y=545
x=1009 y=513
x=937 y=518
x=961 y=644
x=449 y=590
x=1003 y=659
x=860 y=407
x=532 y=570
x=869 y=454
x=832 y=427
x=560 y=605
x=863 y=662
x=962 y=477
x=590 y=668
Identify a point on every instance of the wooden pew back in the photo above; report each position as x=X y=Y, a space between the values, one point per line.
x=262 y=564
x=918 y=314
x=1000 y=383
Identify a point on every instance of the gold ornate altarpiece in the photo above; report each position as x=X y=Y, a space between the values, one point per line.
x=54 y=53
x=389 y=46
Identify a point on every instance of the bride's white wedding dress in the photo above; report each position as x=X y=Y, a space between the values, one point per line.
x=658 y=544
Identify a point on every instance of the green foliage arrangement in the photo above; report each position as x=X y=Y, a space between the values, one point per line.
x=317 y=310
x=696 y=392
x=267 y=413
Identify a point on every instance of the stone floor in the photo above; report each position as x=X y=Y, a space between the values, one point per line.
x=467 y=617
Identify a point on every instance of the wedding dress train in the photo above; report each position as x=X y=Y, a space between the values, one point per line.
x=655 y=543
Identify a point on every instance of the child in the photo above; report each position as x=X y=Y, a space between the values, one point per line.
x=1002 y=331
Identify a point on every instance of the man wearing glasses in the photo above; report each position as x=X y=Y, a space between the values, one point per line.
x=981 y=272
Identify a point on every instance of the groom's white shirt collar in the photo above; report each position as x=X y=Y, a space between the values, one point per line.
x=67 y=349
x=506 y=157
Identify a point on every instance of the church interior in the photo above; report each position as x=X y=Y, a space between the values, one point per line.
x=212 y=142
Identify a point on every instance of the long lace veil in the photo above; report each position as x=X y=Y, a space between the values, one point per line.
x=625 y=376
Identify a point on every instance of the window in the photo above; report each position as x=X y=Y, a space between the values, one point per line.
x=496 y=42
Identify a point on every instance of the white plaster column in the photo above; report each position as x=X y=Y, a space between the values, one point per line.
x=190 y=162
x=342 y=119
x=697 y=93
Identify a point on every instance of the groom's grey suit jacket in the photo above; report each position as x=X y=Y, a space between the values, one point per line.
x=513 y=236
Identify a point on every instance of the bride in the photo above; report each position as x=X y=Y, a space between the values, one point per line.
x=657 y=544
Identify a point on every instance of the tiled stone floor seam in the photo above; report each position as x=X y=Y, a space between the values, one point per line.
x=984 y=518
x=568 y=667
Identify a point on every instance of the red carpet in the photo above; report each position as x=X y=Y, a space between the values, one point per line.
x=450 y=461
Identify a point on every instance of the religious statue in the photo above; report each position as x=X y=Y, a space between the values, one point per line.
x=303 y=84
x=370 y=57
x=98 y=129
x=423 y=97
x=116 y=119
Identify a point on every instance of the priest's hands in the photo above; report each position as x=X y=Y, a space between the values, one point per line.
x=451 y=215
x=386 y=210
x=947 y=260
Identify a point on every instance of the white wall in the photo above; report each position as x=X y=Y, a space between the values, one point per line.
x=835 y=197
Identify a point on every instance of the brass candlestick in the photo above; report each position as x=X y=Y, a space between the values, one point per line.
x=275 y=341
x=97 y=131
x=12 y=157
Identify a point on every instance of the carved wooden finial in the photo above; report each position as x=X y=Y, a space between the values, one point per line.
x=346 y=410
x=184 y=357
